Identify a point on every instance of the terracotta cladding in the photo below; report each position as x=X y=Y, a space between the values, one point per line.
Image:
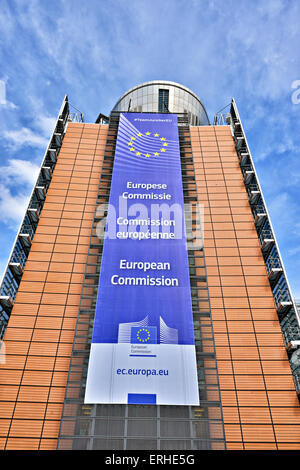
x=260 y=405
x=39 y=337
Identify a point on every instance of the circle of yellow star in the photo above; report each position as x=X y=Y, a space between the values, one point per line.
x=143 y=335
x=147 y=155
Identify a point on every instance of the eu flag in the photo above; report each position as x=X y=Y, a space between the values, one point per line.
x=143 y=334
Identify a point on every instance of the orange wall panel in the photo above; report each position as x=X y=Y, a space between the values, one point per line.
x=252 y=361
x=40 y=333
x=260 y=407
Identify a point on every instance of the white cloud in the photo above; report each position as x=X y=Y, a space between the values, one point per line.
x=16 y=181
x=24 y=137
x=17 y=171
x=4 y=103
x=8 y=105
x=294 y=251
x=46 y=124
x=12 y=207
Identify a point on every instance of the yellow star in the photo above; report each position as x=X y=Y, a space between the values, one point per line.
x=130 y=143
x=132 y=149
x=165 y=144
x=138 y=153
x=132 y=138
x=139 y=134
x=156 y=154
x=148 y=133
x=147 y=155
x=162 y=150
x=162 y=138
x=156 y=135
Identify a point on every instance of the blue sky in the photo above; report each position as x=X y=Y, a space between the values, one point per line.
x=95 y=50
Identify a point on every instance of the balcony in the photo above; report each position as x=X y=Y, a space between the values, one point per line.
x=28 y=228
x=253 y=193
x=293 y=345
x=25 y=240
x=284 y=307
x=239 y=142
x=266 y=240
x=61 y=123
x=40 y=192
x=52 y=154
x=57 y=140
x=47 y=172
x=259 y=214
x=282 y=297
x=243 y=158
x=6 y=303
x=236 y=126
x=291 y=333
x=33 y=215
x=273 y=265
x=16 y=270
x=248 y=174
x=274 y=275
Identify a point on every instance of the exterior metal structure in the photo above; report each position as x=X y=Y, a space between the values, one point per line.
x=286 y=305
x=21 y=248
x=145 y=98
x=240 y=296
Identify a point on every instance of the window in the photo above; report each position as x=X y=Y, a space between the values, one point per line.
x=163 y=101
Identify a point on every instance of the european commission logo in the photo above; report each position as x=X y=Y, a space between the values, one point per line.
x=147 y=144
x=143 y=335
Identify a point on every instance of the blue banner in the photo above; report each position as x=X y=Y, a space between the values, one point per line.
x=143 y=336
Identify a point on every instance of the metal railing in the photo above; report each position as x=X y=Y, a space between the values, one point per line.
x=281 y=292
x=286 y=306
x=272 y=262
x=258 y=209
x=265 y=234
x=19 y=253
x=291 y=333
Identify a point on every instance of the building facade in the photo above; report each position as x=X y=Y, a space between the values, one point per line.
x=245 y=321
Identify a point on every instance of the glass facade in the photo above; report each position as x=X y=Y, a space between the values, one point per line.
x=150 y=96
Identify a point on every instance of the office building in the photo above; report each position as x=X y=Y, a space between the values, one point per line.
x=245 y=321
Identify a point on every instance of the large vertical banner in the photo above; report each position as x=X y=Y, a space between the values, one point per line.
x=143 y=347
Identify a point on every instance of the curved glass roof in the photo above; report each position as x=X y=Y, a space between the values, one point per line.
x=163 y=96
